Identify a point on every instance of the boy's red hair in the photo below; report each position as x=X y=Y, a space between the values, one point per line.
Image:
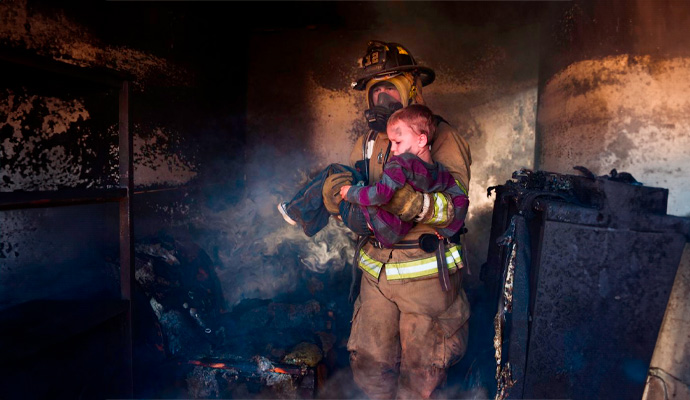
x=419 y=118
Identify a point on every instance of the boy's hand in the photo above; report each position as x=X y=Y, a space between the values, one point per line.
x=343 y=191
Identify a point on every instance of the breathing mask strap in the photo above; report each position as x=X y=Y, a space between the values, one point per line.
x=413 y=89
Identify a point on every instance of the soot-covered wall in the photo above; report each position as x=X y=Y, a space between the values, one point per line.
x=613 y=93
x=233 y=104
x=59 y=131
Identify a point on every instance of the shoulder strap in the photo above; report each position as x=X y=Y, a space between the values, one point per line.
x=388 y=152
x=368 y=143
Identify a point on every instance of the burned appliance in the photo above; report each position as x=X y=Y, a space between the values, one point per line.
x=582 y=268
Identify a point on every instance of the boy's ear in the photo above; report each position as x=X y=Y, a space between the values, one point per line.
x=423 y=140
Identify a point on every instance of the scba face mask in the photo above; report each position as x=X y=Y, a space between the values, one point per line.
x=383 y=105
x=377 y=116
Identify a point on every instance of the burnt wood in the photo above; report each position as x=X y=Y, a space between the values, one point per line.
x=52 y=198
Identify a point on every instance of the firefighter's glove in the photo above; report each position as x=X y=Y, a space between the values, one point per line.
x=331 y=190
x=439 y=213
x=406 y=203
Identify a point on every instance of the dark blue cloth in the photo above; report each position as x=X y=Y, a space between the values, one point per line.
x=308 y=210
x=353 y=217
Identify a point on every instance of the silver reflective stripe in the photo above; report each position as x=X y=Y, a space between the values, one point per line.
x=423 y=267
x=370 y=149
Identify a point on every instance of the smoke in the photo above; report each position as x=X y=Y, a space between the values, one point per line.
x=259 y=254
x=327 y=250
x=340 y=385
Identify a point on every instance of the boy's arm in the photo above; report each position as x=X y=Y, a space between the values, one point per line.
x=381 y=192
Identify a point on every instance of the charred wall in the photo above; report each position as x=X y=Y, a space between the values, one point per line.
x=232 y=106
x=613 y=92
x=59 y=131
x=613 y=95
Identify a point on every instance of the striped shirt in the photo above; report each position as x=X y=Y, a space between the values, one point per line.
x=423 y=177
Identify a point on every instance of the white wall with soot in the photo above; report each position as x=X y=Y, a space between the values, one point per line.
x=627 y=112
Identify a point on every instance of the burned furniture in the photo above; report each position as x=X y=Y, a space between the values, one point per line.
x=581 y=268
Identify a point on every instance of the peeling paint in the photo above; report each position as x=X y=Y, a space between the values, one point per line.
x=624 y=112
x=155 y=160
x=507 y=142
x=45 y=143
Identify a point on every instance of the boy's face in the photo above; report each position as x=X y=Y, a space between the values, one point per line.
x=404 y=139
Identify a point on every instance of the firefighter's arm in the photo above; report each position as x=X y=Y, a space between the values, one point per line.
x=433 y=209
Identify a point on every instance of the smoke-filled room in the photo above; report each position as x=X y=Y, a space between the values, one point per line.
x=345 y=199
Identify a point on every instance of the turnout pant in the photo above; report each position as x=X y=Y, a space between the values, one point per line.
x=405 y=334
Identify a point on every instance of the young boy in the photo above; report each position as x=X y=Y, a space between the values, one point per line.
x=410 y=131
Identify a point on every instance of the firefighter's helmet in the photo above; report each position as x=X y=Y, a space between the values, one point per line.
x=388 y=59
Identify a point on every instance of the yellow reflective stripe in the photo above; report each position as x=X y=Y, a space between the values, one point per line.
x=423 y=267
x=409 y=269
x=368 y=264
x=440 y=204
x=457 y=182
x=458 y=260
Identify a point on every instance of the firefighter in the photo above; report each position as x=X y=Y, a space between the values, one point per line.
x=406 y=329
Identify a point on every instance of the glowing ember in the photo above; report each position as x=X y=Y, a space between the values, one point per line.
x=249 y=368
x=209 y=365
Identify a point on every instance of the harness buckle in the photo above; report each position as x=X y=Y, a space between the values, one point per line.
x=376 y=243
